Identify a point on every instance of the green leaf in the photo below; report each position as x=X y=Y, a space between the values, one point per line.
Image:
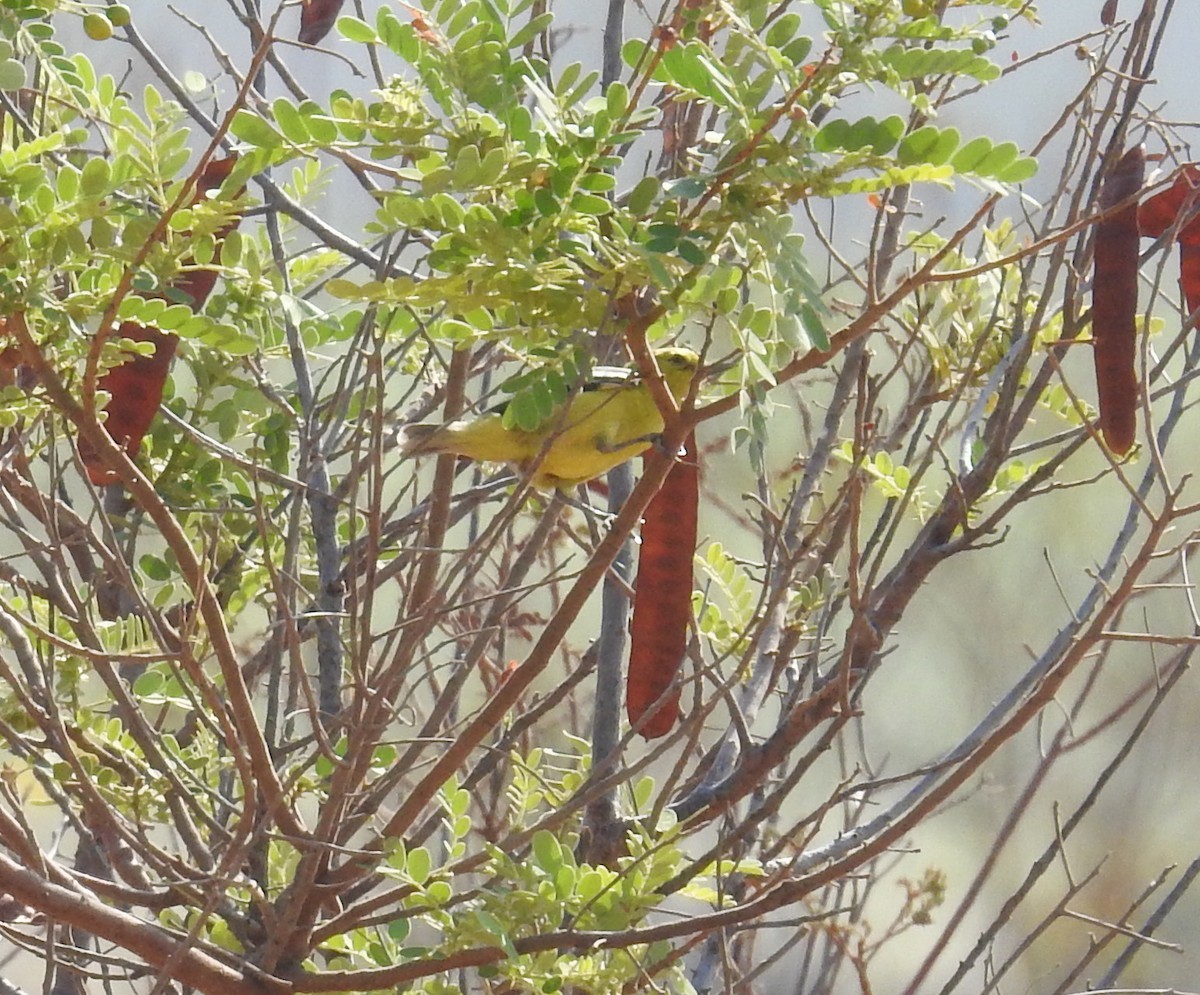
x=401 y=38
x=150 y=309
x=148 y=683
x=643 y=790
x=534 y=27
x=833 y=135
x=520 y=123
x=290 y=121
x=617 y=100
x=173 y=317
x=798 y=51
x=591 y=883
x=999 y=159
x=879 y=136
x=67 y=183
x=251 y=128
x=493 y=926
x=317 y=121
x=686 y=187
x=130 y=306
x=685 y=65
x=586 y=203
x=353 y=29
x=634 y=51
x=886 y=179
x=546 y=203
x=229 y=339
x=663 y=234
x=885 y=134
x=1023 y=169
x=918 y=62
x=543 y=400
x=566 y=79
x=96 y=179
x=643 y=195
x=342 y=288
x=783 y=30
x=12 y=75
x=419 y=864
x=449 y=211
x=466 y=168
x=597 y=182
x=154 y=567
x=971 y=155
x=564 y=880
x=521 y=412
x=492 y=167
x=691 y=253
x=547 y=851
x=929 y=144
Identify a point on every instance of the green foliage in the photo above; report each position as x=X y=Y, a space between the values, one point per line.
x=727 y=608
x=956 y=320
x=867 y=133
x=519 y=212
x=507 y=213
x=535 y=393
x=543 y=780
x=928 y=144
x=12 y=72
x=892 y=480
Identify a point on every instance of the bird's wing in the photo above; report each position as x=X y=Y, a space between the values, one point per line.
x=602 y=378
x=606 y=375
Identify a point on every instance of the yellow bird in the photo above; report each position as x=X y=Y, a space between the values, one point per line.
x=611 y=420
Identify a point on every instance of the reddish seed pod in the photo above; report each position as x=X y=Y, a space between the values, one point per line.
x=1114 y=302
x=1158 y=214
x=1167 y=209
x=662 y=602
x=316 y=18
x=135 y=387
x=1189 y=273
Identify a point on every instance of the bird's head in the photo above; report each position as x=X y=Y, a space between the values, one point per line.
x=678 y=366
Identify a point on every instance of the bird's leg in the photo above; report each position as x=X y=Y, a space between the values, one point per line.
x=660 y=444
x=656 y=441
x=576 y=496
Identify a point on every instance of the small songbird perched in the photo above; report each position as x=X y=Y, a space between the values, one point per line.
x=611 y=420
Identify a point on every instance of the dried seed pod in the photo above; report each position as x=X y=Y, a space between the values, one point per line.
x=662 y=601
x=1114 y=302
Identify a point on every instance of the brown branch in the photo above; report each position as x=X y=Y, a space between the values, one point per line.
x=154 y=945
x=234 y=709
